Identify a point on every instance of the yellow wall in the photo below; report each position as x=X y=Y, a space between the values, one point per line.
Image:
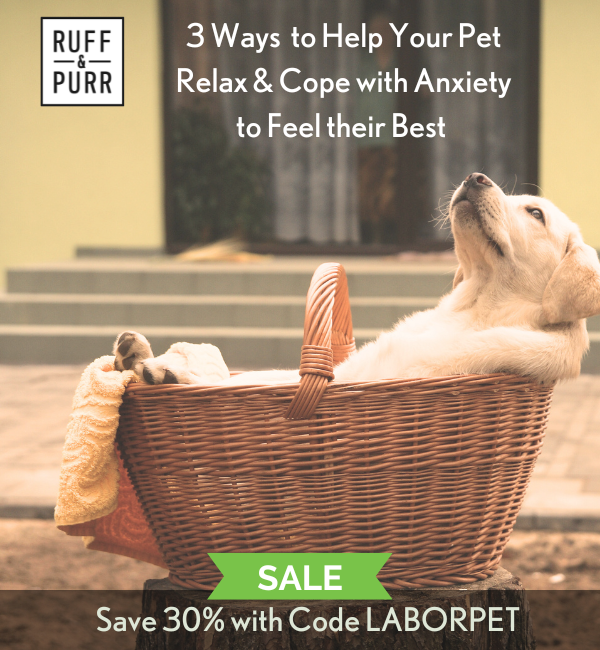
x=78 y=176
x=570 y=111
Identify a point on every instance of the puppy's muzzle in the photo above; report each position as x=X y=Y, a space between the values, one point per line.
x=475 y=181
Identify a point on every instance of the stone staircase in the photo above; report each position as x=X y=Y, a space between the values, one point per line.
x=71 y=312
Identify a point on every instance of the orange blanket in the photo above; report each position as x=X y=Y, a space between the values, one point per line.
x=124 y=531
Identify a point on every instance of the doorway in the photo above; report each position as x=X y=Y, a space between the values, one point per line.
x=371 y=195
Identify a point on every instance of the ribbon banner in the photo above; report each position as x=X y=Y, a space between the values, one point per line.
x=299 y=576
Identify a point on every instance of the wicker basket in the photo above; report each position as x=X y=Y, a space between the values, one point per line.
x=432 y=470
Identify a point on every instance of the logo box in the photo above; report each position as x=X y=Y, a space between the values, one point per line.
x=82 y=61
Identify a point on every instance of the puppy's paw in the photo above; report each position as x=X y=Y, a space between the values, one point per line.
x=166 y=369
x=131 y=349
x=186 y=363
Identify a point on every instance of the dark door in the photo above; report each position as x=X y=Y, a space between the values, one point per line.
x=365 y=194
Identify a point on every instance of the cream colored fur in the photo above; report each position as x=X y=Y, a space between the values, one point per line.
x=521 y=311
x=525 y=283
x=190 y=363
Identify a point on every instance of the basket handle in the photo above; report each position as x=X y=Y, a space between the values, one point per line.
x=328 y=337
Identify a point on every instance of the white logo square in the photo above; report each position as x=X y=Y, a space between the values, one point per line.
x=82 y=62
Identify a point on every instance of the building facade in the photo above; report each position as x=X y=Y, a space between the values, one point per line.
x=95 y=176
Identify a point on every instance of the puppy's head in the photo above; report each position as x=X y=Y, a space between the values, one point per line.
x=523 y=247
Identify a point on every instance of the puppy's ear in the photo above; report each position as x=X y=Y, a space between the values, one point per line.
x=459 y=276
x=573 y=291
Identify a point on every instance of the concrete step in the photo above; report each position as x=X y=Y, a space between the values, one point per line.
x=591 y=362
x=277 y=278
x=198 y=311
x=242 y=347
x=72 y=312
x=141 y=311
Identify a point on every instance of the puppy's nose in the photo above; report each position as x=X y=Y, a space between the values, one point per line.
x=475 y=180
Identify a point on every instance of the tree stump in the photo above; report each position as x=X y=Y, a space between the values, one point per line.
x=366 y=630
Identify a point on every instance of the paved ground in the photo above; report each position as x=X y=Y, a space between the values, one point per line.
x=567 y=475
x=35 y=402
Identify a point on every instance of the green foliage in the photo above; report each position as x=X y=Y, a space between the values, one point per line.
x=219 y=191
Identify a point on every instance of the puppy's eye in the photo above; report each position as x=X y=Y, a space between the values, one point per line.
x=538 y=214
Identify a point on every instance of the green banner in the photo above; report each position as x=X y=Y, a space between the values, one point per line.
x=299 y=576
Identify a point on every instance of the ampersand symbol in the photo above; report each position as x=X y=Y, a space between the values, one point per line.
x=261 y=75
x=81 y=62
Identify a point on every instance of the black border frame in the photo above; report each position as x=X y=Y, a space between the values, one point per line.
x=121 y=18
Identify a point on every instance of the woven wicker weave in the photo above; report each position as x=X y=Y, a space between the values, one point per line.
x=432 y=470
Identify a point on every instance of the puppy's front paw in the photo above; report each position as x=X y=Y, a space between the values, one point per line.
x=130 y=350
x=166 y=369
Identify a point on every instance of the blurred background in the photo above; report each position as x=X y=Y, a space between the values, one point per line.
x=96 y=203
x=167 y=170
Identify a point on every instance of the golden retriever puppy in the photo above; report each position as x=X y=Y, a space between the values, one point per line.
x=524 y=286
